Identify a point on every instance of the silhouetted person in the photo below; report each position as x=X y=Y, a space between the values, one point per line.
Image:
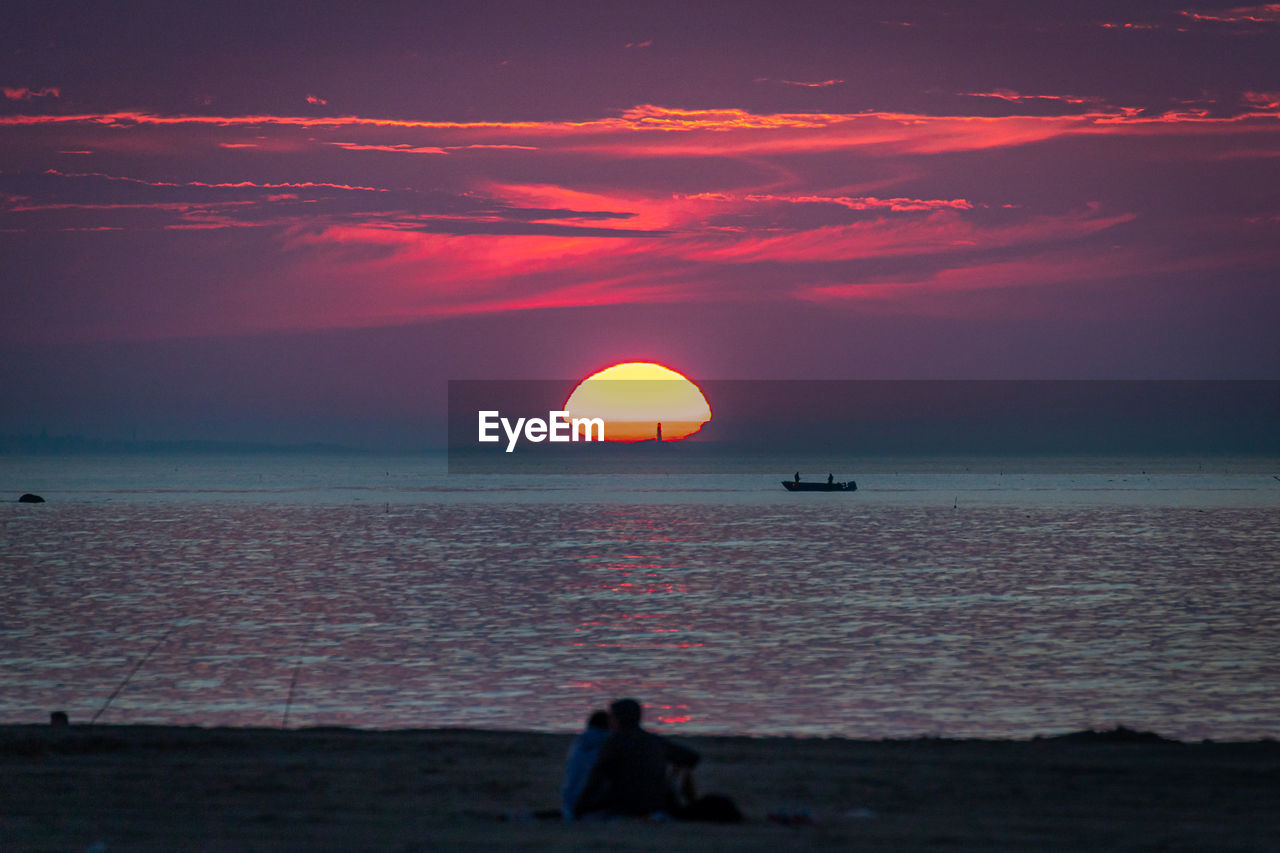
x=797 y=476
x=830 y=479
x=582 y=757
x=630 y=777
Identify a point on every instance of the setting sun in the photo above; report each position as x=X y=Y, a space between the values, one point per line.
x=639 y=401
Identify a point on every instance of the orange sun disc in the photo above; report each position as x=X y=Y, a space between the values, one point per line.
x=639 y=401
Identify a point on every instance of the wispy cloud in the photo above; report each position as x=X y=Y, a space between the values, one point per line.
x=1129 y=25
x=912 y=132
x=312 y=99
x=1267 y=13
x=1034 y=269
x=821 y=84
x=495 y=147
x=408 y=148
x=224 y=184
x=22 y=93
x=402 y=148
x=852 y=203
x=1014 y=97
x=1264 y=101
x=941 y=232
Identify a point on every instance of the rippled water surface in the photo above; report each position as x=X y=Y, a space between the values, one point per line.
x=731 y=610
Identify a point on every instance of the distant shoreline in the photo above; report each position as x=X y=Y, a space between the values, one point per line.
x=72 y=445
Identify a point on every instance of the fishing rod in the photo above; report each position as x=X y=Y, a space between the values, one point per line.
x=137 y=666
x=293 y=683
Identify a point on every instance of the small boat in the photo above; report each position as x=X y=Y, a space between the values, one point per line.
x=793 y=486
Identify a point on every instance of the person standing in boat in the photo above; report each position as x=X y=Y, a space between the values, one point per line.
x=830 y=479
x=797 y=476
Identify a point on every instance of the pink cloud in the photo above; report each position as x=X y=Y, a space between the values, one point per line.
x=419 y=275
x=853 y=203
x=403 y=148
x=156 y=205
x=1012 y=96
x=726 y=243
x=1262 y=100
x=941 y=231
x=426 y=274
x=312 y=99
x=654 y=131
x=407 y=148
x=822 y=84
x=1036 y=269
x=1130 y=26
x=22 y=93
x=1040 y=269
x=493 y=147
x=1267 y=13
x=233 y=185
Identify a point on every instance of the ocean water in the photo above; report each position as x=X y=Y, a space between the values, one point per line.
x=951 y=597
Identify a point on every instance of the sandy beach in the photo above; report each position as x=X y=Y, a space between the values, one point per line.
x=145 y=788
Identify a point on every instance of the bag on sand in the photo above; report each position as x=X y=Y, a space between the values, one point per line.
x=713 y=808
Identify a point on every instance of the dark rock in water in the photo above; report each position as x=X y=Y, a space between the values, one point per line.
x=29 y=498
x=1120 y=734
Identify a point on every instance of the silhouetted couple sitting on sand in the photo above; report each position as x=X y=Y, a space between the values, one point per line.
x=617 y=769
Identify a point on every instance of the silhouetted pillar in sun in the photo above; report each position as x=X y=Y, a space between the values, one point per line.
x=659 y=432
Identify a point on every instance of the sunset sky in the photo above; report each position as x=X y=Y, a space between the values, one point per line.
x=297 y=221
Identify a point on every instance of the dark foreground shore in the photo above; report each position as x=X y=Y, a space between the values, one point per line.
x=145 y=788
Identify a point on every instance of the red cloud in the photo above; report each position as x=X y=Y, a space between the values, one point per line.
x=312 y=99
x=1131 y=26
x=431 y=275
x=1268 y=13
x=1262 y=100
x=377 y=263
x=22 y=93
x=425 y=274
